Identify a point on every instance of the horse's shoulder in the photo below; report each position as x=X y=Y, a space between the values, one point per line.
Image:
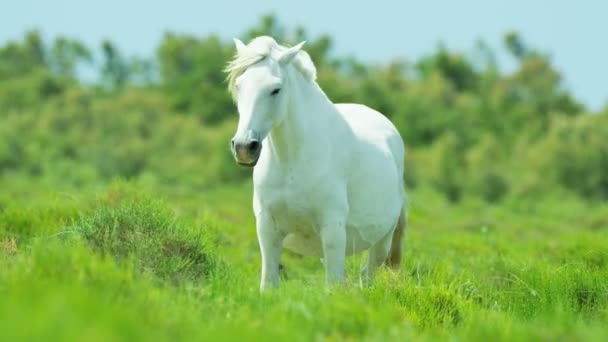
x=366 y=121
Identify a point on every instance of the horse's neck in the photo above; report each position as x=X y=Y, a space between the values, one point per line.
x=302 y=132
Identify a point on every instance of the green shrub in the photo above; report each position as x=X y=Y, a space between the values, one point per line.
x=486 y=166
x=131 y=227
x=446 y=171
x=574 y=155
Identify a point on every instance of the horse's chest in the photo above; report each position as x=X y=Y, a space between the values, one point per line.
x=296 y=200
x=293 y=211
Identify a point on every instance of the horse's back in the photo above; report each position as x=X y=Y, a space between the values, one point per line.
x=376 y=195
x=373 y=129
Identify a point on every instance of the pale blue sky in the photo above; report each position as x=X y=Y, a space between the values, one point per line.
x=575 y=33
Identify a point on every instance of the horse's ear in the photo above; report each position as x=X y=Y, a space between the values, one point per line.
x=288 y=55
x=240 y=46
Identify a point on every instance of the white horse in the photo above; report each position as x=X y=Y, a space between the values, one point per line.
x=328 y=178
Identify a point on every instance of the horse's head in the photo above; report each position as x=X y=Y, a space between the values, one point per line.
x=258 y=85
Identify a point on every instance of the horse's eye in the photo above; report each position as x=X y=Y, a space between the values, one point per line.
x=275 y=91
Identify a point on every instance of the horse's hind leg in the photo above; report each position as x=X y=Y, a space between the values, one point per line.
x=394 y=257
x=388 y=250
x=376 y=257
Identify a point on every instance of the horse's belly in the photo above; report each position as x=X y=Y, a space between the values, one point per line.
x=296 y=211
x=304 y=244
x=364 y=227
x=308 y=243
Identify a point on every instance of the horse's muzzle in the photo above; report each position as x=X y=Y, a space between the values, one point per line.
x=246 y=151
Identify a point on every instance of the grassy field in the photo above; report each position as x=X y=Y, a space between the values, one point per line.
x=123 y=262
x=506 y=171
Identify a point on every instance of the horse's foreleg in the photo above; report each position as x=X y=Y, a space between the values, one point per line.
x=271 y=241
x=333 y=238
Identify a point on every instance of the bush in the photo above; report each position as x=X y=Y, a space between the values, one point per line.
x=485 y=165
x=129 y=137
x=447 y=169
x=574 y=155
x=130 y=227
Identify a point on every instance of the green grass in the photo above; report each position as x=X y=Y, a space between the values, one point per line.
x=126 y=263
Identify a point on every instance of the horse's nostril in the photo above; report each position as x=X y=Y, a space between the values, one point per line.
x=232 y=143
x=254 y=146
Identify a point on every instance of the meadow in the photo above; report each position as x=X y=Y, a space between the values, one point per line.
x=122 y=263
x=124 y=217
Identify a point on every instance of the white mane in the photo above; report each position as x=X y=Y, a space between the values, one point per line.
x=259 y=49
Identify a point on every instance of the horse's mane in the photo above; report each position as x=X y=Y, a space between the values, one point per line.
x=259 y=49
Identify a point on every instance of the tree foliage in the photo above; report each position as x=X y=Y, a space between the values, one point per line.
x=470 y=129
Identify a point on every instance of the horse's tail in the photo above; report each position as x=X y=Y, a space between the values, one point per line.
x=394 y=255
